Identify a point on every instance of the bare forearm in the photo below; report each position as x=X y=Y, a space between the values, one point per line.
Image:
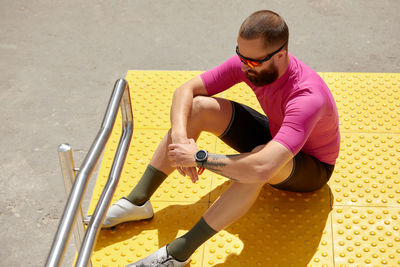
x=238 y=167
x=258 y=166
x=181 y=105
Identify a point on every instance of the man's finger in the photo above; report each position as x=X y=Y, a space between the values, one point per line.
x=187 y=170
x=181 y=171
x=172 y=146
x=193 y=175
x=172 y=160
x=169 y=156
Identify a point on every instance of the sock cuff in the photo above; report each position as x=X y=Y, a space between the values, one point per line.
x=155 y=170
x=184 y=246
x=206 y=227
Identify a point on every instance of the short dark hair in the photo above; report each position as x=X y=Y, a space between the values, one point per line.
x=268 y=25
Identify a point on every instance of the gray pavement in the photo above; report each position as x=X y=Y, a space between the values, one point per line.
x=60 y=59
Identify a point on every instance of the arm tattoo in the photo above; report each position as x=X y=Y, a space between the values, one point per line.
x=216 y=163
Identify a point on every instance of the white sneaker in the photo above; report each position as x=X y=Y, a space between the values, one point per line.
x=160 y=258
x=124 y=211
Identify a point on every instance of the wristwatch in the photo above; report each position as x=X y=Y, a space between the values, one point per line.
x=201 y=157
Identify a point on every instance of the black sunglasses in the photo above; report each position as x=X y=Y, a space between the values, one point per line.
x=256 y=62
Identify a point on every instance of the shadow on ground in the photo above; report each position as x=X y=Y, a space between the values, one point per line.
x=274 y=232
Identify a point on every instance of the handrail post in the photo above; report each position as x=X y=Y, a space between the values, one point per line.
x=78 y=189
x=68 y=171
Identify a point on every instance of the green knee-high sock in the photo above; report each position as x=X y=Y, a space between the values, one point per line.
x=147 y=185
x=184 y=246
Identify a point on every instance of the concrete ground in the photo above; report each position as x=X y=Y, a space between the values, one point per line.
x=60 y=59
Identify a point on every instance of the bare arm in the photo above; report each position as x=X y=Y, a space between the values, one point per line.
x=180 y=110
x=260 y=165
x=181 y=106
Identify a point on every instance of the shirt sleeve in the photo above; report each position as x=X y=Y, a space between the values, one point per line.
x=223 y=76
x=301 y=115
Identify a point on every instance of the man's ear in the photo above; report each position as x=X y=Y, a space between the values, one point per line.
x=281 y=54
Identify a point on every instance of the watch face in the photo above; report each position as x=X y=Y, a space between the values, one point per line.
x=201 y=155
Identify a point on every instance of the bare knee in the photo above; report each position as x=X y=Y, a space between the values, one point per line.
x=212 y=114
x=200 y=105
x=198 y=111
x=202 y=109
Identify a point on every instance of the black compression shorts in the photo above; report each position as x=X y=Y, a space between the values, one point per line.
x=249 y=129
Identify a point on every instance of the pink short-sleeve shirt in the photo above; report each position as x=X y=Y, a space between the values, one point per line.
x=300 y=108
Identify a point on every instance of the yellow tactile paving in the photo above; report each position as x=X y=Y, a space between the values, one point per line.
x=365 y=236
x=367 y=102
x=352 y=221
x=367 y=170
x=277 y=234
x=152 y=95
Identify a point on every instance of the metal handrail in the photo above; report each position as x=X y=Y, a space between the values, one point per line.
x=120 y=97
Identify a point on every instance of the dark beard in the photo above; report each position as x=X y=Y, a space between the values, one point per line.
x=263 y=77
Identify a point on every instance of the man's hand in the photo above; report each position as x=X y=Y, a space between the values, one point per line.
x=181 y=156
x=179 y=139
